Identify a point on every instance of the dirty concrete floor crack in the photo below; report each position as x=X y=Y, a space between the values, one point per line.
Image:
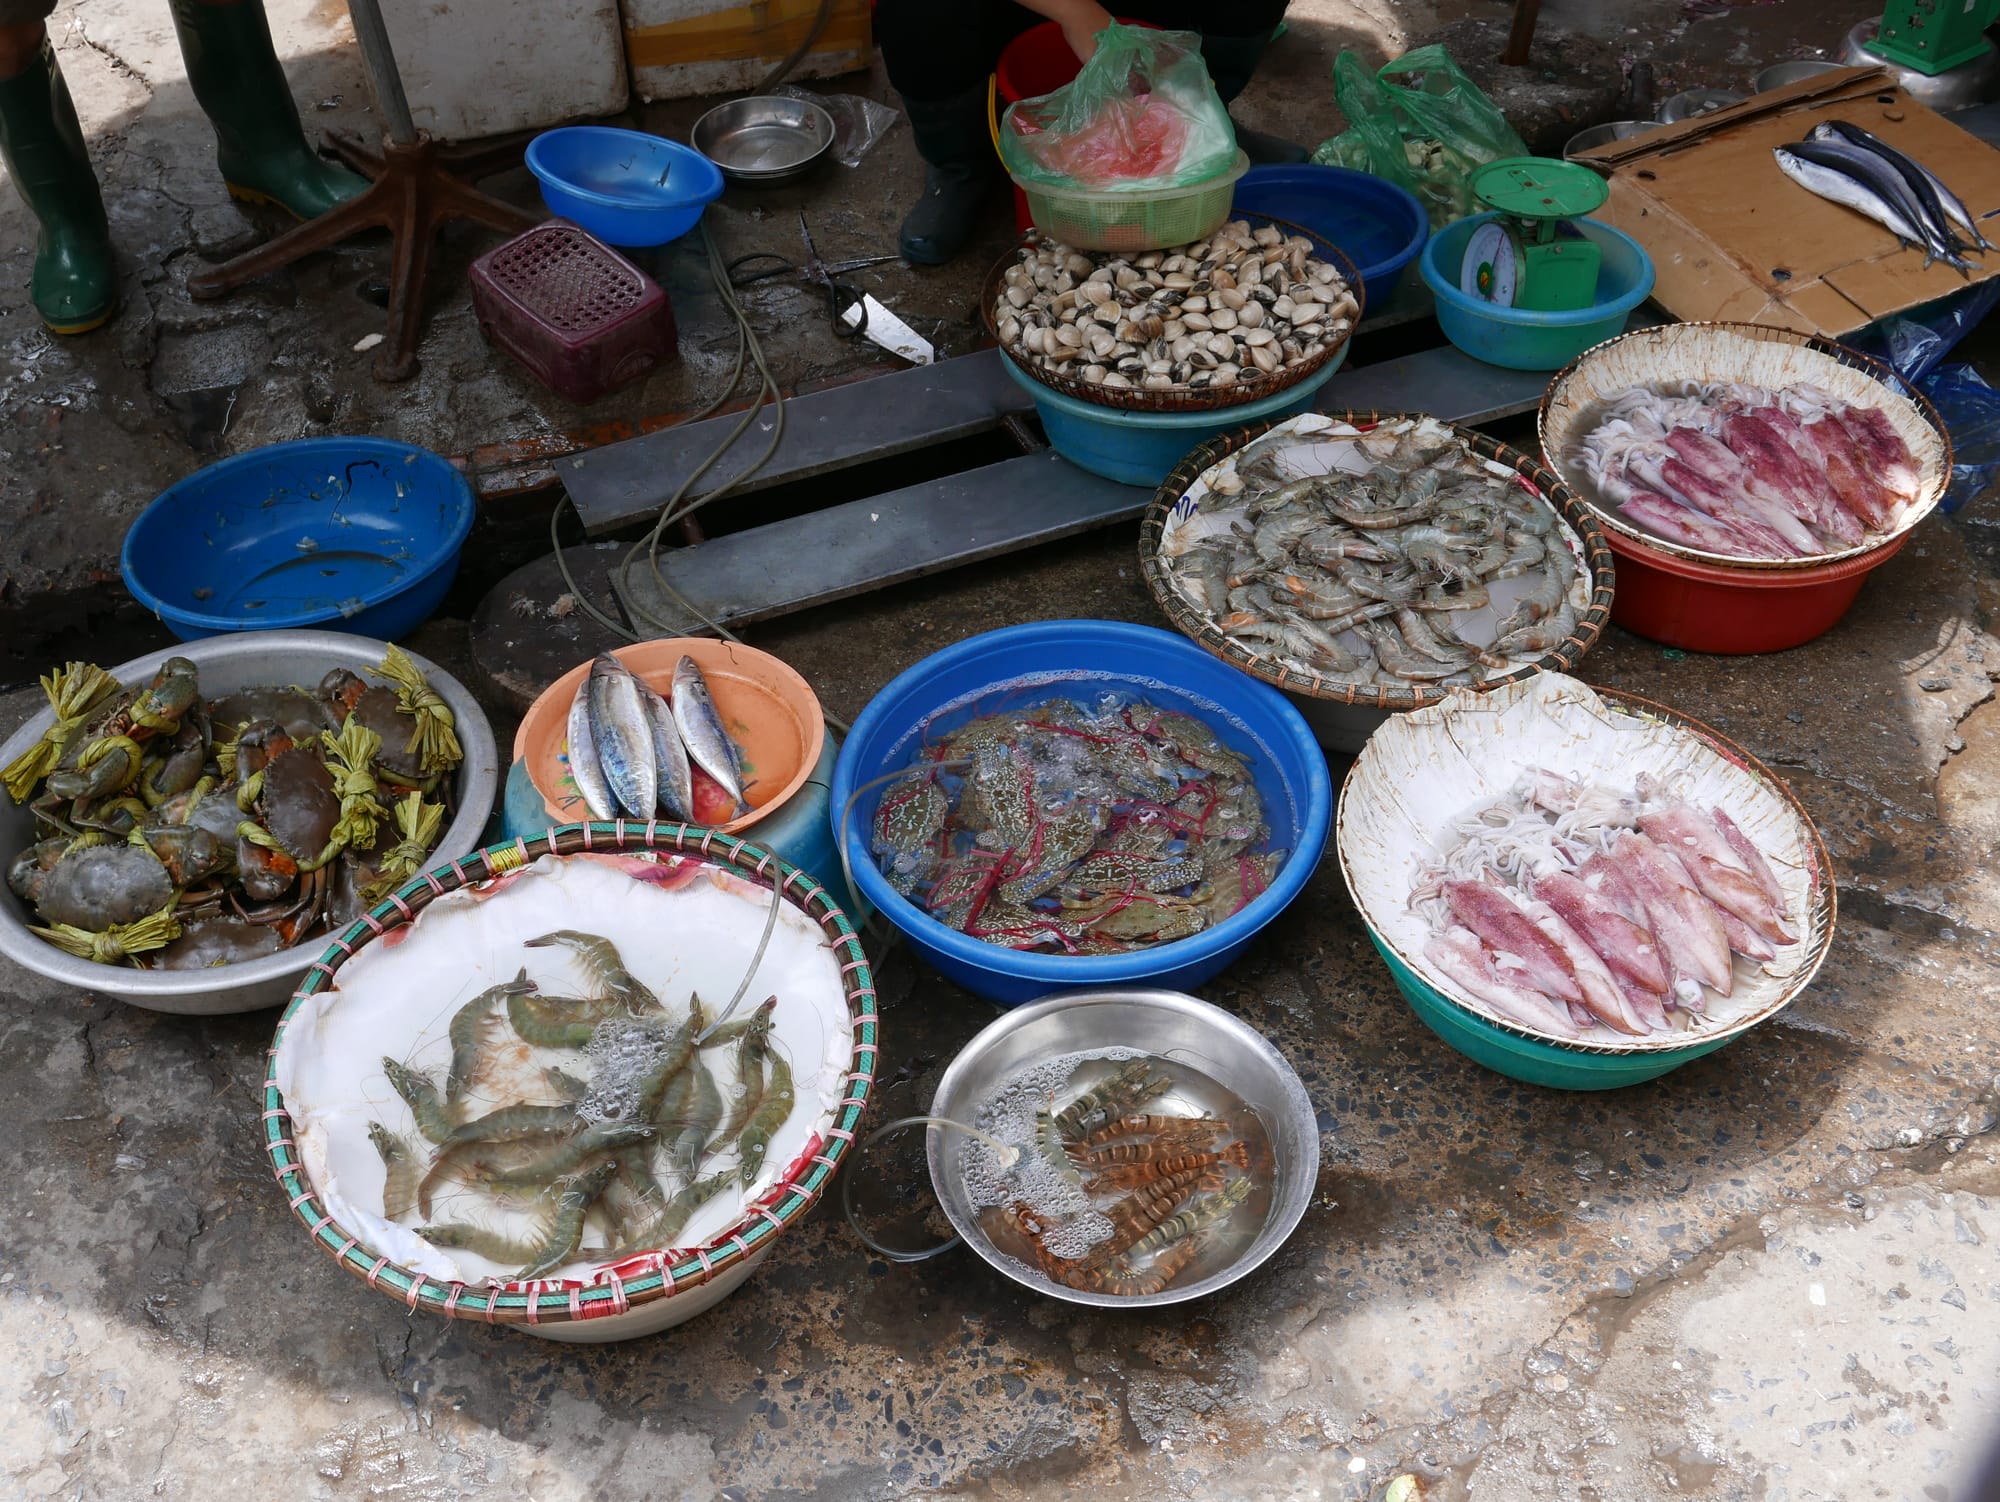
x=80 y=29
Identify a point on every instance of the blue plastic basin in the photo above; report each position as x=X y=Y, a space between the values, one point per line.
x=350 y=534
x=1521 y=340
x=1025 y=665
x=1143 y=448
x=624 y=186
x=1379 y=225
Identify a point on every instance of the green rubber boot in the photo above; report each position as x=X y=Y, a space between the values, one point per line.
x=75 y=286
x=259 y=144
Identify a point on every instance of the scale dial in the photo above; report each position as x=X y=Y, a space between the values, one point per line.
x=1492 y=267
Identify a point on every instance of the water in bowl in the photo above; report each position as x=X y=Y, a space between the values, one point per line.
x=1076 y=827
x=1093 y=1186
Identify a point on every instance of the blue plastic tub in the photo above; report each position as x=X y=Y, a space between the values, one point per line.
x=1521 y=340
x=1026 y=665
x=1379 y=225
x=1143 y=448
x=349 y=534
x=624 y=186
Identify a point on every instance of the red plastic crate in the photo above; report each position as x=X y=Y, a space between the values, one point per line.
x=580 y=317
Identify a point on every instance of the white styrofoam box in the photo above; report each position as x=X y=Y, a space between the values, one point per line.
x=683 y=48
x=507 y=65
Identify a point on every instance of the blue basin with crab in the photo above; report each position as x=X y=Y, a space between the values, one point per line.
x=1027 y=665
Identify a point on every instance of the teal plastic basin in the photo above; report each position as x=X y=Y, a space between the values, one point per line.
x=1523 y=1058
x=1143 y=448
x=800 y=829
x=1521 y=340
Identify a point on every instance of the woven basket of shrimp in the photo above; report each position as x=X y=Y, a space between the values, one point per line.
x=1367 y=563
x=1117 y=331
x=578 y=1083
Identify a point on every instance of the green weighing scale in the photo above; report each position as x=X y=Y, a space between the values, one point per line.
x=1935 y=36
x=1530 y=258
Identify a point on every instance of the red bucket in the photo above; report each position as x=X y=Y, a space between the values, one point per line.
x=1036 y=62
x=1731 y=611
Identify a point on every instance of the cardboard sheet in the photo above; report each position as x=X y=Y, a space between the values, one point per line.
x=1732 y=237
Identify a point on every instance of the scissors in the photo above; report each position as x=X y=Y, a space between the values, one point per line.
x=815 y=272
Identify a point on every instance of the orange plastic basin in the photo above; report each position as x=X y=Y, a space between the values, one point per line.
x=768 y=709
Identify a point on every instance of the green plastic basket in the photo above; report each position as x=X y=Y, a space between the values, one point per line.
x=1133 y=221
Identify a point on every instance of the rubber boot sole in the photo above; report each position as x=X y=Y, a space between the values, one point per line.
x=259 y=199
x=83 y=326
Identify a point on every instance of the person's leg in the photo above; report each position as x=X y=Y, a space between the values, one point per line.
x=939 y=57
x=74 y=285
x=259 y=144
x=1233 y=39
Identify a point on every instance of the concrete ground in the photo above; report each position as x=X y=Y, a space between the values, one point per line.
x=1768 y=1275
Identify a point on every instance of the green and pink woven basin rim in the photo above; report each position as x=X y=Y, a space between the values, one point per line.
x=751 y=1235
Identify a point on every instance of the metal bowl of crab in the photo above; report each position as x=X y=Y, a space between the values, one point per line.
x=1135 y=1147
x=1580 y=888
x=578 y=1084
x=214 y=958
x=1365 y=563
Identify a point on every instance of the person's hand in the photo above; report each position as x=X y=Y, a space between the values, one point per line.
x=1081 y=26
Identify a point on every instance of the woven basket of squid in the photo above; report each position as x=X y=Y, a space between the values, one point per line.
x=1675 y=356
x=704 y=897
x=1422 y=772
x=1180 y=497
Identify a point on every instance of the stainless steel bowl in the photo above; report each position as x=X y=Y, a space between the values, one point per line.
x=227 y=663
x=1970 y=83
x=766 y=138
x=1688 y=105
x=1167 y=1023
x=1603 y=135
x=1779 y=74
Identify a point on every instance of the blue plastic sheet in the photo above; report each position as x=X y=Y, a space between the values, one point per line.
x=1971 y=412
x=1916 y=343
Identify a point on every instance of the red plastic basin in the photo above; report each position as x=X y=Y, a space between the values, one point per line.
x=1733 y=611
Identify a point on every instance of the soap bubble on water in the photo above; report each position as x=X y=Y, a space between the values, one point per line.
x=622 y=1052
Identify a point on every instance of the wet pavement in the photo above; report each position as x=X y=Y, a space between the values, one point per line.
x=1768 y=1275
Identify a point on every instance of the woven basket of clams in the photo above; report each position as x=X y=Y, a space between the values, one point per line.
x=1239 y=316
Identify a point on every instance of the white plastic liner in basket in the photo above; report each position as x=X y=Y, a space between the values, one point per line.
x=396 y=998
x=1669 y=357
x=1423 y=771
x=1315 y=444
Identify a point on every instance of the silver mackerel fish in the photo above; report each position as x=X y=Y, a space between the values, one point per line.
x=624 y=736
x=701 y=729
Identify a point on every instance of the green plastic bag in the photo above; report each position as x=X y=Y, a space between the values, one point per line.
x=1141 y=115
x=1420 y=123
